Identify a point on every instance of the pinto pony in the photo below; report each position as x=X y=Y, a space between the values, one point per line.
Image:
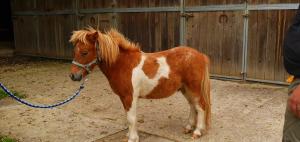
x=133 y=74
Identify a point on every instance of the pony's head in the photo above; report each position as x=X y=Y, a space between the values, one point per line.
x=85 y=54
x=94 y=48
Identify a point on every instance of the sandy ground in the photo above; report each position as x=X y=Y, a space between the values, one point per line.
x=242 y=112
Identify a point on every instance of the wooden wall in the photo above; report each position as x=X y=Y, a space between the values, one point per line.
x=49 y=34
x=87 y=4
x=266 y=34
x=217 y=33
x=212 y=2
x=220 y=36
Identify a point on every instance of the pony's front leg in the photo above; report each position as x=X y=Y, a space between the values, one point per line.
x=130 y=104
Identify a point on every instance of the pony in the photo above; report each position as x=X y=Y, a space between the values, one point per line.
x=133 y=74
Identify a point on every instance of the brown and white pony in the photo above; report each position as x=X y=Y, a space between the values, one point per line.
x=133 y=74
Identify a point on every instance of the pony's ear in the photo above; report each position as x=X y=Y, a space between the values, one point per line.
x=92 y=37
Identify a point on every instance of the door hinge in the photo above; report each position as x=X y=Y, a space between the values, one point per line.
x=187 y=15
x=246 y=13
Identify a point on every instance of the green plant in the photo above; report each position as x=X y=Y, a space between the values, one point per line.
x=4 y=95
x=7 y=139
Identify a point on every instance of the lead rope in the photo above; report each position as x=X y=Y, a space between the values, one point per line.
x=52 y=105
x=44 y=105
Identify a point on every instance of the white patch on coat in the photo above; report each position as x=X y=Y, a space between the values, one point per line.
x=143 y=85
x=200 y=120
x=142 y=82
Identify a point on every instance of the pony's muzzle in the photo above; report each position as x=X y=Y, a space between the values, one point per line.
x=75 y=77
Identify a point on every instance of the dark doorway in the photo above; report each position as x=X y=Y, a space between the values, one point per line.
x=6 y=26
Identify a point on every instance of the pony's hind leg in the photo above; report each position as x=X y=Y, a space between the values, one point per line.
x=200 y=126
x=196 y=122
x=192 y=116
x=191 y=121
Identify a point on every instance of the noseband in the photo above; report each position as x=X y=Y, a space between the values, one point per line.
x=87 y=66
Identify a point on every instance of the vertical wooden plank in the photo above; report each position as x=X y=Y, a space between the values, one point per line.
x=25 y=35
x=262 y=42
x=52 y=5
x=170 y=30
x=271 y=44
x=211 y=2
x=279 y=72
x=158 y=29
x=47 y=36
x=91 y=4
x=23 y=5
x=164 y=32
x=63 y=28
x=212 y=43
x=226 y=20
x=252 y=44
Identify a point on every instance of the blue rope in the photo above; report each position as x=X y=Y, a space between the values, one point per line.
x=42 y=105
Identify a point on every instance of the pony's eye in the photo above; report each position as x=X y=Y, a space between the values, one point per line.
x=83 y=53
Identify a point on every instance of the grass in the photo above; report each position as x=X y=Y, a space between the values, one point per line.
x=4 y=95
x=7 y=139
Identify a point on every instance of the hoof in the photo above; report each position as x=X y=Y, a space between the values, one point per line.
x=124 y=140
x=133 y=140
x=130 y=140
x=196 y=134
x=188 y=129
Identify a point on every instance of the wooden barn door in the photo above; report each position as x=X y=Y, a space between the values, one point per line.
x=218 y=34
x=267 y=28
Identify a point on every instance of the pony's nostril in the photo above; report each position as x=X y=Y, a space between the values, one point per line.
x=75 y=77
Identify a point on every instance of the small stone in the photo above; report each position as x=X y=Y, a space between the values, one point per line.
x=141 y=121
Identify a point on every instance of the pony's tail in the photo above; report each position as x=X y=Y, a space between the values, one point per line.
x=205 y=84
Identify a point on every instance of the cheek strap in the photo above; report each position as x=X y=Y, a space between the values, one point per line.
x=96 y=61
x=87 y=67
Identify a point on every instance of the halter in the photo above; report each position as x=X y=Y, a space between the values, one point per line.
x=88 y=65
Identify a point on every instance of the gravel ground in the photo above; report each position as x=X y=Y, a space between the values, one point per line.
x=242 y=112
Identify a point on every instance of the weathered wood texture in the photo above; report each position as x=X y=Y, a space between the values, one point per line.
x=102 y=21
x=42 y=5
x=272 y=1
x=25 y=29
x=153 y=31
x=127 y=3
x=23 y=5
x=212 y=2
x=266 y=34
x=224 y=2
x=46 y=36
x=220 y=36
x=54 y=34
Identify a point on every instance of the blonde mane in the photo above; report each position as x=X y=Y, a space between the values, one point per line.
x=110 y=43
